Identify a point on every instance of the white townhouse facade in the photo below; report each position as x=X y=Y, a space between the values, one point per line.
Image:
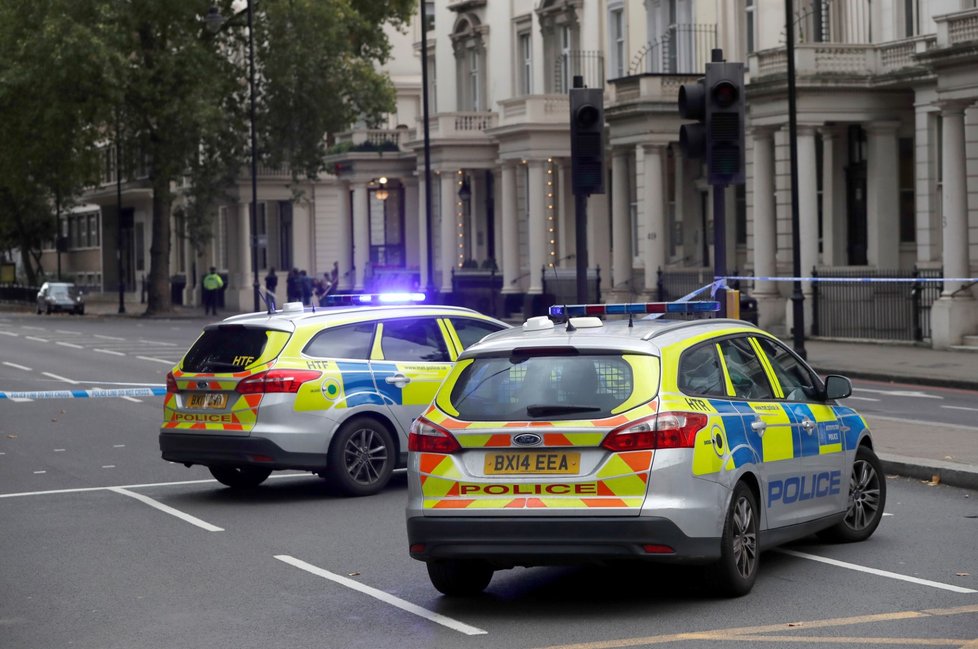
x=887 y=107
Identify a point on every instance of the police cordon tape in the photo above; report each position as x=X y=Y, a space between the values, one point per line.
x=86 y=394
x=861 y=280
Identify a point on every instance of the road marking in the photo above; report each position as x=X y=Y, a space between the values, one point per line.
x=108 y=466
x=397 y=602
x=59 y=450
x=179 y=483
x=158 y=342
x=10 y=333
x=904 y=420
x=19 y=367
x=863 y=399
x=72 y=345
x=133 y=399
x=32 y=328
x=193 y=520
x=40 y=340
x=109 y=351
x=103 y=337
x=961 y=408
x=59 y=378
x=156 y=360
x=901 y=393
x=874 y=571
x=118 y=446
x=748 y=633
x=67 y=331
x=39 y=472
x=20 y=399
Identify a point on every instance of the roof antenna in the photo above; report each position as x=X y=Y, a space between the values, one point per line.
x=570 y=327
x=630 y=325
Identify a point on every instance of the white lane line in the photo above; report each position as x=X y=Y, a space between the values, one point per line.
x=39 y=472
x=33 y=328
x=133 y=399
x=961 y=408
x=397 y=602
x=193 y=520
x=921 y=422
x=10 y=333
x=179 y=483
x=874 y=571
x=158 y=342
x=72 y=345
x=108 y=337
x=108 y=466
x=863 y=398
x=59 y=450
x=123 y=446
x=59 y=378
x=901 y=393
x=40 y=340
x=155 y=360
x=19 y=367
x=20 y=399
x=67 y=331
x=109 y=351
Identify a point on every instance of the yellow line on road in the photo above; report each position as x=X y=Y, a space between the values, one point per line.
x=750 y=633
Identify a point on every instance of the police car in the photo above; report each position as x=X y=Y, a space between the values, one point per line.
x=328 y=390
x=702 y=441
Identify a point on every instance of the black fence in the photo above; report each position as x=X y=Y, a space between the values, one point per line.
x=477 y=289
x=560 y=285
x=874 y=310
x=18 y=293
x=674 y=284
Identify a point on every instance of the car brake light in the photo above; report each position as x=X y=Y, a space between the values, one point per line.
x=171 y=383
x=665 y=430
x=428 y=438
x=272 y=381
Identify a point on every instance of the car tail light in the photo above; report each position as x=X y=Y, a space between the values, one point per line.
x=429 y=438
x=276 y=381
x=171 y=383
x=665 y=430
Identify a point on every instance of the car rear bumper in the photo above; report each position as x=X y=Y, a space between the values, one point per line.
x=522 y=541
x=236 y=450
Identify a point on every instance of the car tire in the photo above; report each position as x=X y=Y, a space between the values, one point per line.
x=361 y=458
x=457 y=578
x=49 y=310
x=239 y=477
x=866 y=500
x=734 y=574
x=80 y=311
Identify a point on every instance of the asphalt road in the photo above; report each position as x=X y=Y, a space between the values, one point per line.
x=103 y=545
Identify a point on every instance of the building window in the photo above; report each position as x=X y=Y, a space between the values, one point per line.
x=432 y=84
x=617 y=43
x=749 y=25
x=526 y=63
x=565 y=73
x=475 y=96
x=908 y=230
x=284 y=234
x=469 y=52
x=93 y=233
x=429 y=9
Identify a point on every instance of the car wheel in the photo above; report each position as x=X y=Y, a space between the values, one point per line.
x=361 y=458
x=736 y=570
x=80 y=310
x=867 y=497
x=239 y=477
x=49 y=309
x=459 y=578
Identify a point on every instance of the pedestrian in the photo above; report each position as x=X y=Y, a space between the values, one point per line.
x=271 y=280
x=305 y=285
x=211 y=285
x=292 y=291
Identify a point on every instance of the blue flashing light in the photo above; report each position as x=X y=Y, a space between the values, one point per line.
x=366 y=299
x=633 y=308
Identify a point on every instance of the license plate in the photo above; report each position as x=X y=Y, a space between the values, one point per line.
x=207 y=400
x=563 y=462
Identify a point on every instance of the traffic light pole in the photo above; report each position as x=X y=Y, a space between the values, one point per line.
x=580 y=232
x=720 y=242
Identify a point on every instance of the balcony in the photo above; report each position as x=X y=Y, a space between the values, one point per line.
x=958 y=28
x=871 y=64
x=535 y=109
x=373 y=139
x=461 y=125
x=650 y=88
x=682 y=49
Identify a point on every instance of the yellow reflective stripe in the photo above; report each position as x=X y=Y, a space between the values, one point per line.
x=771 y=376
x=449 y=332
x=645 y=381
x=708 y=457
x=726 y=374
x=442 y=396
x=377 y=352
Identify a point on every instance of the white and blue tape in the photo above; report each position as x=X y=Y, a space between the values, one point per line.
x=86 y=394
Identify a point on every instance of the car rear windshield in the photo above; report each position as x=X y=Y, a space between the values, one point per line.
x=554 y=387
x=226 y=349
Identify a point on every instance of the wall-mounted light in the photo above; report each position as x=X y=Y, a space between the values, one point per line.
x=464 y=191
x=381 y=192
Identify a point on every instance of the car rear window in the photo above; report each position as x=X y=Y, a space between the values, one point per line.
x=227 y=349
x=559 y=387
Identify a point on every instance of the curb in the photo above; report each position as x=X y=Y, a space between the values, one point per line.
x=937 y=382
x=949 y=473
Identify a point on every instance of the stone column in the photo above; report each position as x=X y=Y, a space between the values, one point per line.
x=954 y=314
x=344 y=233
x=244 y=252
x=537 y=223
x=883 y=195
x=621 y=227
x=833 y=198
x=765 y=227
x=361 y=234
x=508 y=252
x=807 y=206
x=476 y=245
x=413 y=243
x=567 y=214
x=654 y=216
x=423 y=227
x=448 y=228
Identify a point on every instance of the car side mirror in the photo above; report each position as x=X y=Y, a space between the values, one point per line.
x=837 y=387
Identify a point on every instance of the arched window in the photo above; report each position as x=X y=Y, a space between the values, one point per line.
x=470 y=54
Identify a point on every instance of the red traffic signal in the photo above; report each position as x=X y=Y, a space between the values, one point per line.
x=725 y=94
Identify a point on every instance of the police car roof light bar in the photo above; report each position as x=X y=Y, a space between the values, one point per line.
x=360 y=299
x=572 y=310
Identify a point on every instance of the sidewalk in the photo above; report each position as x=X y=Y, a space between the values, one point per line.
x=908 y=448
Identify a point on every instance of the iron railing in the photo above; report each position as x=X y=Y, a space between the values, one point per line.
x=587 y=64
x=874 y=310
x=674 y=284
x=681 y=49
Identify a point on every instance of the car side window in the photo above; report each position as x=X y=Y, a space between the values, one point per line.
x=797 y=382
x=747 y=375
x=414 y=339
x=699 y=372
x=347 y=341
x=471 y=331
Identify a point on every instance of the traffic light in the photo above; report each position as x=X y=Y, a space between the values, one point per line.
x=716 y=103
x=725 y=123
x=587 y=140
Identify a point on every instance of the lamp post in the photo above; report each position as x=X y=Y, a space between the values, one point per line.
x=429 y=285
x=797 y=297
x=118 y=215
x=214 y=20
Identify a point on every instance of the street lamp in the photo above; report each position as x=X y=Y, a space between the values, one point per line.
x=797 y=297
x=429 y=286
x=214 y=21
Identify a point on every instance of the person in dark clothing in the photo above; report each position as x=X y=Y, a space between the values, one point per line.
x=305 y=285
x=292 y=290
x=271 y=280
